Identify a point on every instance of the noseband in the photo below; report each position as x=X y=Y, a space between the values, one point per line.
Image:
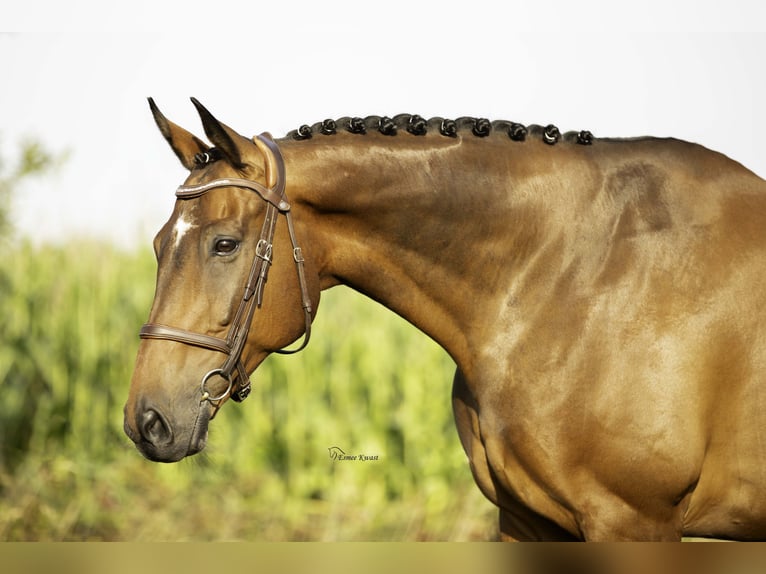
x=252 y=297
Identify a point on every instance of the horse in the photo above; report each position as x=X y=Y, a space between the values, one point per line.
x=602 y=299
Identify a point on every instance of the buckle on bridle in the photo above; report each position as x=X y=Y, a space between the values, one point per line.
x=242 y=393
x=263 y=250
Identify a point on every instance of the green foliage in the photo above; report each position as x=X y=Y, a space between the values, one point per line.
x=369 y=384
x=64 y=353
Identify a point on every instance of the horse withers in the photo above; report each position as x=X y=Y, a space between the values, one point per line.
x=602 y=299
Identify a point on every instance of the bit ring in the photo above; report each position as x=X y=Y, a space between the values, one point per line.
x=206 y=394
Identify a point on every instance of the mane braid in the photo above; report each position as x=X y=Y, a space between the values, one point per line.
x=418 y=126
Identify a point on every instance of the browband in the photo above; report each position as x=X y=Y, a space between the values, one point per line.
x=269 y=195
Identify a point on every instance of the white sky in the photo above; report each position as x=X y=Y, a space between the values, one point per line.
x=689 y=69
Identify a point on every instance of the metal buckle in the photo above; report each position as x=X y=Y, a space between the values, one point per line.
x=265 y=255
x=241 y=394
x=298 y=255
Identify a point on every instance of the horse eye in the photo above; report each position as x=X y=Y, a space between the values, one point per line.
x=226 y=246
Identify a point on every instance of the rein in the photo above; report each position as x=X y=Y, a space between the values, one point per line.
x=252 y=297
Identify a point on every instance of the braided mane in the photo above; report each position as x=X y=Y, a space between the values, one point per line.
x=418 y=126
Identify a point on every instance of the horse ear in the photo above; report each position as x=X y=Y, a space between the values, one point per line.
x=184 y=144
x=223 y=137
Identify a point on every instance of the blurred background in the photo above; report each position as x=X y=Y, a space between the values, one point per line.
x=86 y=180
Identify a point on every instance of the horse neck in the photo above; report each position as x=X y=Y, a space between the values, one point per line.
x=427 y=226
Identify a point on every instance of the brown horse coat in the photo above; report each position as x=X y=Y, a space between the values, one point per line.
x=603 y=304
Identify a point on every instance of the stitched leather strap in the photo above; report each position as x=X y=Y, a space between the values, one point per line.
x=269 y=195
x=158 y=331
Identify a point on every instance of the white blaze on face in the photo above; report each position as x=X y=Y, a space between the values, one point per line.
x=180 y=228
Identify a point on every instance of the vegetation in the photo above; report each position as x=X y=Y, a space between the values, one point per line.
x=369 y=384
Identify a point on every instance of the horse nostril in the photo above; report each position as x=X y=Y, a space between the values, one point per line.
x=154 y=428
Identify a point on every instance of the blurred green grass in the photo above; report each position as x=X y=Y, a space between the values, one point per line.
x=368 y=383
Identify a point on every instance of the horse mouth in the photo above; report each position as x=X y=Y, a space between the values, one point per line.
x=198 y=439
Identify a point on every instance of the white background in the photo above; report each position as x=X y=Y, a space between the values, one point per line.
x=76 y=75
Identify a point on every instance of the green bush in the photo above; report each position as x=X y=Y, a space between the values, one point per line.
x=368 y=383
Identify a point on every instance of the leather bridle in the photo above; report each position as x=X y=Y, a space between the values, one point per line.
x=252 y=297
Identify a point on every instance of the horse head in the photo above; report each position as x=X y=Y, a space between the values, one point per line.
x=213 y=321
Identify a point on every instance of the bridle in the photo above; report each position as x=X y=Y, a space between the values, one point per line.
x=252 y=297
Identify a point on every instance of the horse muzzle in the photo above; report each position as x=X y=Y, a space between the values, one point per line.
x=161 y=439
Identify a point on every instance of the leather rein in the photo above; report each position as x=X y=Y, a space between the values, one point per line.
x=252 y=297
